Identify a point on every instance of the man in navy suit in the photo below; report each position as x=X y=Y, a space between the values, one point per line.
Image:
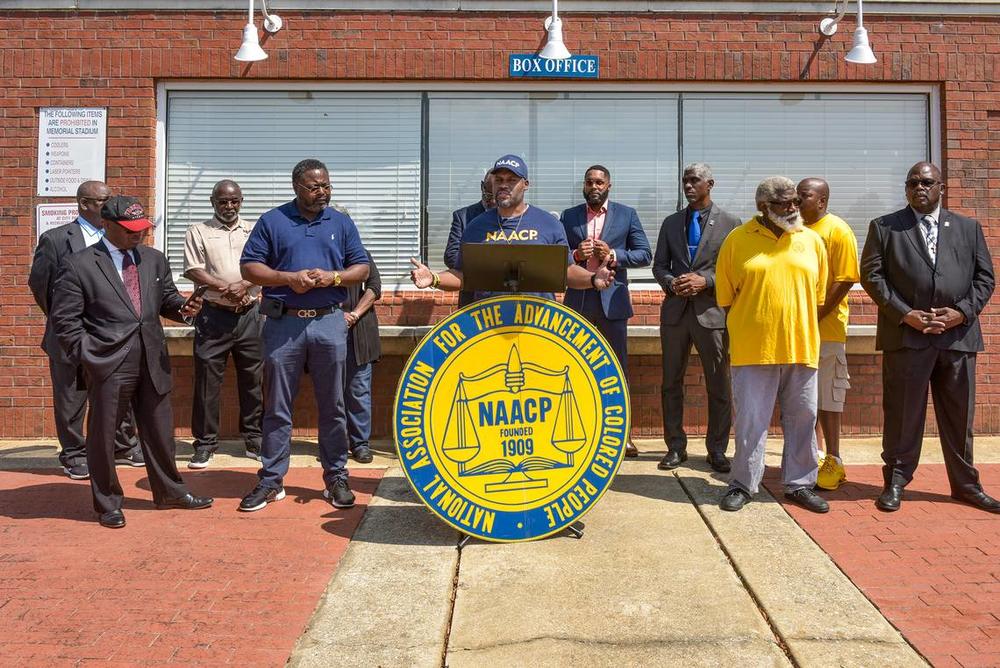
x=930 y=272
x=459 y=219
x=600 y=229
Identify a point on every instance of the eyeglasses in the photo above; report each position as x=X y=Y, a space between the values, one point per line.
x=317 y=188
x=784 y=203
x=926 y=183
x=99 y=200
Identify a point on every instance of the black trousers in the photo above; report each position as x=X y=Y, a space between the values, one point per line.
x=615 y=331
x=110 y=400
x=713 y=349
x=951 y=376
x=69 y=405
x=219 y=334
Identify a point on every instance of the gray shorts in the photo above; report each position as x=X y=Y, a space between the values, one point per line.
x=834 y=381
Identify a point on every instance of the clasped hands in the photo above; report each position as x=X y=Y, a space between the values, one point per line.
x=935 y=321
x=689 y=284
x=596 y=248
x=305 y=280
x=236 y=293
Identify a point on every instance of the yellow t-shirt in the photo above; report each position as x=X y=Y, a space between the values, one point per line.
x=842 y=256
x=773 y=287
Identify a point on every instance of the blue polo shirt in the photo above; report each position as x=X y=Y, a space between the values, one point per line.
x=534 y=226
x=285 y=241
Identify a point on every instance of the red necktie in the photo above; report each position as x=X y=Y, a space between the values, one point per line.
x=130 y=276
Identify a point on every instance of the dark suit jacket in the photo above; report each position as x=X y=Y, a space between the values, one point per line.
x=364 y=335
x=672 y=259
x=459 y=219
x=898 y=275
x=53 y=247
x=94 y=319
x=624 y=234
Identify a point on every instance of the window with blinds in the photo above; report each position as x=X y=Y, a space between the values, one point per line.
x=862 y=145
x=369 y=141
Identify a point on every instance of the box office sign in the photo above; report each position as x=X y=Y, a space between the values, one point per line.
x=71 y=148
x=529 y=65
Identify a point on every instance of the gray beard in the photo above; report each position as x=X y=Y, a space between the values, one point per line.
x=789 y=223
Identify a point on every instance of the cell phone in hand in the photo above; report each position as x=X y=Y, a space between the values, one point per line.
x=198 y=292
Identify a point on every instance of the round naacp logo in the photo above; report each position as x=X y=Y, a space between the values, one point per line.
x=511 y=418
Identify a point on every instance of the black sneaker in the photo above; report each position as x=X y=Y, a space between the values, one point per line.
x=362 y=454
x=260 y=497
x=252 y=451
x=735 y=499
x=200 y=459
x=809 y=500
x=77 y=471
x=339 y=494
x=131 y=458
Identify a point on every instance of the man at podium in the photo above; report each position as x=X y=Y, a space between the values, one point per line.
x=513 y=221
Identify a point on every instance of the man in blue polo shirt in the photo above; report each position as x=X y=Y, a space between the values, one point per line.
x=303 y=253
x=513 y=221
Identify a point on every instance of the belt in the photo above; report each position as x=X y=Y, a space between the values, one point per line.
x=311 y=312
x=238 y=310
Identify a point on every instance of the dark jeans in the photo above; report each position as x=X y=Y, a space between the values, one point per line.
x=358 y=398
x=219 y=334
x=291 y=343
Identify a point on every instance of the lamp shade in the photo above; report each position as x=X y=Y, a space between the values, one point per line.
x=554 y=48
x=862 y=53
x=250 y=50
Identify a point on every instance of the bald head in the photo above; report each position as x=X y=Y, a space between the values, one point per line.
x=227 y=199
x=90 y=197
x=924 y=187
x=814 y=193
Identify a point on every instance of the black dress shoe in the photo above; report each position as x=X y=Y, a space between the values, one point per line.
x=734 y=499
x=980 y=500
x=719 y=462
x=630 y=450
x=809 y=500
x=114 y=519
x=187 y=502
x=890 y=498
x=672 y=460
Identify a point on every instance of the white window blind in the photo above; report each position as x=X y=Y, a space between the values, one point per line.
x=862 y=145
x=369 y=141
x=559 y=135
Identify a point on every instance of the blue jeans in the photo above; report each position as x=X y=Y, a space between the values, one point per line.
x=358 y=398
x=290 y=344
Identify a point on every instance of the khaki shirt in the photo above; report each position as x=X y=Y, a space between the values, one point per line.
x=216 y=249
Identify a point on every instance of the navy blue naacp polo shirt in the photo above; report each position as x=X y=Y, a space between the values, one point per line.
x=285 y=241
x=534 y=226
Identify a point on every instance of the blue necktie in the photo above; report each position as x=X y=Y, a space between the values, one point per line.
x=694 y=233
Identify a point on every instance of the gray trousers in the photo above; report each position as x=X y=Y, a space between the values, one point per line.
x=755 y=389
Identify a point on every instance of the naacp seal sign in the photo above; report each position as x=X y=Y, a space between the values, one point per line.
x=511 y=418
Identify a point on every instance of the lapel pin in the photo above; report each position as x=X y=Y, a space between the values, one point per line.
x=946 y=223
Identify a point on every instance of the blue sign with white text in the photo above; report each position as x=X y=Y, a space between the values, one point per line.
x=574 y=67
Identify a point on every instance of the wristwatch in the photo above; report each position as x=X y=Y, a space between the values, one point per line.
x=336 y=279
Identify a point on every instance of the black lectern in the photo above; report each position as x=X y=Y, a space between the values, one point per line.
x=514 y=268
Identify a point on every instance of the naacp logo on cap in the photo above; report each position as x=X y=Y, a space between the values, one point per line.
x=511 y=418
x=507 y=163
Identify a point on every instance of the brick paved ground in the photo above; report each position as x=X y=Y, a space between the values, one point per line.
x=932 y=568
x=203 y=587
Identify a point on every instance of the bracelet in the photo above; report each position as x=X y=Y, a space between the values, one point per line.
x=593 y=281
x=436 y=283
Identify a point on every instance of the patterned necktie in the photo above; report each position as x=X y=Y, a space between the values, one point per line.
x=130 y=277
x=930 y=236
x=694 y=233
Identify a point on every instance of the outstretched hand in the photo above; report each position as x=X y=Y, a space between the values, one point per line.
x=604 y=276
x=421 y=275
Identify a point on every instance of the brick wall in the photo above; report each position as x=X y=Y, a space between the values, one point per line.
x=114 y=59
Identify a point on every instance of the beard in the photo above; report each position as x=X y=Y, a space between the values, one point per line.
x=790 y=223
x=596 y=197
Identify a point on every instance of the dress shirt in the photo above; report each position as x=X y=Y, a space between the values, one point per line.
x=91 y=234
x=936 y=215
x=118 y=256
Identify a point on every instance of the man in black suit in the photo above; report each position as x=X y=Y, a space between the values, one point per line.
x=459 y=219
x=106 y=314
x=930 y=273
x=600 y=230
x=69 y=402
x=684 y=266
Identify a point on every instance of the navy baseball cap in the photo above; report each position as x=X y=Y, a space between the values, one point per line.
x=127 y=212
x=514 y=163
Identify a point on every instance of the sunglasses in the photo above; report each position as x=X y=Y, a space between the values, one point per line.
x=926 y=183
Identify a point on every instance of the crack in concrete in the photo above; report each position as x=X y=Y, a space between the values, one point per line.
x=722 y=641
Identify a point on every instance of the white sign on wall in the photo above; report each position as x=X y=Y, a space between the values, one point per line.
x=49 y=216
x=71 y=148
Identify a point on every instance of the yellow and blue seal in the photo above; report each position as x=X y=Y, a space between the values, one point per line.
x=511 y=418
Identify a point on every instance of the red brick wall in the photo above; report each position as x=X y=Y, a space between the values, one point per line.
x=114 y=59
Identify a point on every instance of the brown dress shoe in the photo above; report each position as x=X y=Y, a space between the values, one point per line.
x=630 y=450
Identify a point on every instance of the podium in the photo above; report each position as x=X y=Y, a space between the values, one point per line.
x=514 y=268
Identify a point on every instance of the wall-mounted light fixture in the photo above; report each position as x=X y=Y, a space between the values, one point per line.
x=554 y=48
x=250 y=50
x=861 y=53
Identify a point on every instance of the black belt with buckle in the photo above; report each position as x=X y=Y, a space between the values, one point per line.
x=238 y=310
x=311 y=312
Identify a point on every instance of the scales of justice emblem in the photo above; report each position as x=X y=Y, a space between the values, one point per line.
x=463 y=445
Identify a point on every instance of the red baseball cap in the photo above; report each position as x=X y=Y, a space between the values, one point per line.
x=127 y=212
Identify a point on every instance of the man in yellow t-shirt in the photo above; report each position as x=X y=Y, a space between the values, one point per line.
x=834 y=380
x=771 y=279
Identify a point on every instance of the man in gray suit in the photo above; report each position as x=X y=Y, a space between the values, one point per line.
x=930 y=272
x=69 y=401
x=684 y=266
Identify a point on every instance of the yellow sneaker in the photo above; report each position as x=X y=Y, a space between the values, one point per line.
x=831 y=474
